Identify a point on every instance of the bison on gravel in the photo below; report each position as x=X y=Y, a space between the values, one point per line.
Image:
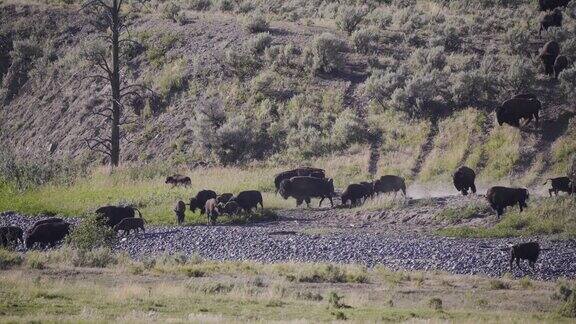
x=178 y=179
x=299 y=172
x=180 y=211
x=514 y=109
x=369 y=187
x=224 y=198
x=305 y=188
x=390 y=183
x=526 y=251
x=47 y=234
x=560 y=64
x=211 y=208
x=45 y=221
x=353 y=193
x=502 y=197
x=560 y=184
x=11 y=235
x=249 y=199
x=128 y=224
x=546 y=5
x=463 y=180
x=199 y=202
x=548 y=56
x=112 y=215
x=553 y=19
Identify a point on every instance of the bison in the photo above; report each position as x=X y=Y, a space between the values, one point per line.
x=211 y=208
x=548 y=56
x=45 y=221
x=112 y=215
x=249 y=199
x=305 y=188
x=560 y=64
x=546 y=5
x=353 y=193
x=11 y=235
x=526 y=251
x=199 y=202
x=553 y=19
x=230 y=208
x=560 y=184
x=224 y=198
x=178 y=179
x=390 y=183
x=47 y=234
x=512 y=110
x=369 y=187
x=502 y=197
x=302 y=171
x=128 y=224
x=180 y=211
x=463 y=180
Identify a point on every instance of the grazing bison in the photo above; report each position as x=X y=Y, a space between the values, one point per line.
x=249 y=199
x=224 y=198
x=526 y=251
x=302 y=171
x=180 y=211
x=512 y=110
x=553 y=19
x=353 y=193
x=560 y=64
x=369 y=187
x=463 y=180
x=390 y=183
x=548 y=55
x=178 y=179
x=199 y=202
x=11 y=235
x=128 y=224
x=45 y=221
x=47 y=234
x=112 y=215
x=546 y=5
x=502 y=197
x=211 y=207
x=560 y=184
x=305 y=188
x=231 y=207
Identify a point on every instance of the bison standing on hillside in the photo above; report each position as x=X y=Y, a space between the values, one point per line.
x=390 y=183
x=249 y=199
x=560 y=184
x=546 y=5
x=11 y=235
x=178 y=179
x=464 y=179
x=502 y=197
x=548 y=56
x=302 y=171
x=512 y=110
x=112 y=215
x=47 y=234
x=199 y=202
x=353 y=193
x=560 y=64
x=305 y=188
x=553 y=19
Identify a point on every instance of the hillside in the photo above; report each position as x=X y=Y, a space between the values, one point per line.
x=426 y=75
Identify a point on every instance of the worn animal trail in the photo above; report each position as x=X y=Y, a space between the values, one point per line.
x=375 y=145
x=426 y=148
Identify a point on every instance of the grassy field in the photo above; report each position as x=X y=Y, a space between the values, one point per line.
x=48 y=286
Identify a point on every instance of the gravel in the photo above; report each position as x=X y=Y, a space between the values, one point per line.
x=278 y=242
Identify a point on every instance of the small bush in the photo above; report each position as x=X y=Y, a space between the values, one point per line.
x=256 y=23
x=35 y=260
x=245 y=6
x=519 y=40
x=199 y=5
x=324 y=54
x=9 y=259
x=349 y=18
x=171 y=11
x=568 y=309
x=96 y=258
x=260 y=42
x=348 y=129
x=241 y=63
x=172 y=78
x=226 y=5
x=365 y=40
x=91 y=233
x=499 y=285
x=435 y=303
x=335 y=300
x=520 y=76
x=568 y=82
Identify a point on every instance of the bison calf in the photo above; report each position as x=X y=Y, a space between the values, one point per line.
x=249 y=199
x=560 y=184
x=224 y=198
x=464 y=179
x=548 y=55
x=525 y=251
x=128 y=224
x=178 y=179
x=211 y=207
x=353 y=193
x=502 y=197
x=180 y=211
x=11 y=235
x=112 y=215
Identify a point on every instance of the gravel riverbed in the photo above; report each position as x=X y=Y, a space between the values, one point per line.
x=281 y=241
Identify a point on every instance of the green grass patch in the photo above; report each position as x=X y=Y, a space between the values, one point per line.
x=501 y=152
x=457 y=214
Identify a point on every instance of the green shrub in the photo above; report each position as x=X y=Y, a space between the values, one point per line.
x=256 y=23
x=519 y=40
x=568 y=82
x=9 y=259
x=241 y=63
x=260 y=42
x=435 y=303
x=568 y=309
x=171 y=11
x=35 y=260
x=100 y=257
x=499 y=285
x=365 y=40
x=335 y=300
x=348 y=128
x=226 y=5
x=246 y=6
x=172 y=78
x=91 y=233
x=199 y=5
x=349 y=18
x=324 y=54
x=520 y=76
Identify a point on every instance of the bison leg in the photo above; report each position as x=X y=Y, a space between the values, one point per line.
x=521 y=206
x=550 y=191
x=511 y=261
x=518 y=264
x=465 y=192
x=500 y=211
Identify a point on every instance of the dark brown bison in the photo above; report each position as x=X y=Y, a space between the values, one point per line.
x=552 y=19
x=526 y=96
x=224 y=198
x=546 y=5
x=211 y=208
x=369 y=187
x=390 y=183
x=180 y=211
x=464 y=179
x=302 y=171
x=47 y=234
x=128 y=224
x=45 y=221
x=512 y=110
x=11 y=235
x=249 y=199
x=112 y=215
x=230 y=208
x=526 y=251
x=199 y=202
x=178 y=180
x=548 y=55
x=560 y=184
x=502 y=197
x=560 y=64
x=353 y=194
x=305 y=188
